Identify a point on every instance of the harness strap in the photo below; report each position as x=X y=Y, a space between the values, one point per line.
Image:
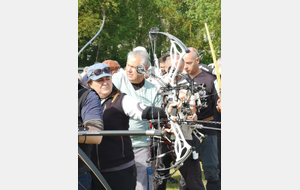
x=82 y=95
x=116 y=95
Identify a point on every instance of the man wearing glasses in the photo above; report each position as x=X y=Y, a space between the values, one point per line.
x=135 y=85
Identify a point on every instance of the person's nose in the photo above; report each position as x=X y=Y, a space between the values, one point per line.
x=105 y=81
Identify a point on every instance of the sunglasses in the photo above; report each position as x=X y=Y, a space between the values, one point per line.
x=98 y=72
x=194 y=50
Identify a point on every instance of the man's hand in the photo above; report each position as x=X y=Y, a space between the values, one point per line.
x=219 y=104
x=167 y=130
x=182 y=95
x=175 y=104
x=192 y=117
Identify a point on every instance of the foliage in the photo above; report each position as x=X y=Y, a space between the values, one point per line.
x=185 y=20
x=127 y=25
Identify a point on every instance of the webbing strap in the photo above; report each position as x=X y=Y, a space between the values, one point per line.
x=93 y=168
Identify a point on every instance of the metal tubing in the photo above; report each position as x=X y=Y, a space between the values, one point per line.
x=198 y=126
x=122 y=133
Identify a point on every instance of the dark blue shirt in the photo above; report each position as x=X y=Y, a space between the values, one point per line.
x=92 y=107
x=84 y=80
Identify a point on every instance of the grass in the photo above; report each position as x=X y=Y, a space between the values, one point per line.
x=177 y=177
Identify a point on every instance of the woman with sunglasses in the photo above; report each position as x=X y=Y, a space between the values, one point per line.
x=114 y=157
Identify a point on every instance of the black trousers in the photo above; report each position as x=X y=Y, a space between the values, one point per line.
x=166 y=160
x=190 y=170
x=219 y=151
x=117 y=180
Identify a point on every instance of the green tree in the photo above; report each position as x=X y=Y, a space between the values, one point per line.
x=127 y=25
x=90 y=18
x=185 y=20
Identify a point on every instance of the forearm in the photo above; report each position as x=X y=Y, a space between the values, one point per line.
x=92 y=125
x=90 y=139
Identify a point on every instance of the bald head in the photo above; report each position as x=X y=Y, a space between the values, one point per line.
x=191 y=66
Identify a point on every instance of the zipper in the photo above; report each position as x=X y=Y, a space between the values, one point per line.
x=122 y=146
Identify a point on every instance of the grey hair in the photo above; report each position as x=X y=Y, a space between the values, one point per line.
x=142 y=54
x=85 y=69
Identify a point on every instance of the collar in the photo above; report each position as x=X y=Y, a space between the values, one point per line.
x=138 y=85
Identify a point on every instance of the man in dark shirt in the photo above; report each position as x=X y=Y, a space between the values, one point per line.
x=208 y=151
x=190 y=170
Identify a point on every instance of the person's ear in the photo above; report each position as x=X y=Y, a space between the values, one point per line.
x=197 y=60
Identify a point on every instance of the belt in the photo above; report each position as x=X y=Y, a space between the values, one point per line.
x=208 y=119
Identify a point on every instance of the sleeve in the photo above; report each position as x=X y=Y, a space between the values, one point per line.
x=206 y=68
x=217 y=87
x=140 y=111
x=132 y=107
x=158 y=99
x=117 y=78
x=92 y=111
x=215 y=91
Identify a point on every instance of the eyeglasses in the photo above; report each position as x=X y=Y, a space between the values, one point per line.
x=98 y=72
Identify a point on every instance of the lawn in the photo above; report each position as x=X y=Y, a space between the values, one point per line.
x=177 y=176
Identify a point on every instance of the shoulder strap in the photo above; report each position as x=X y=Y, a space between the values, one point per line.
x=82 y=95
x=116 y=95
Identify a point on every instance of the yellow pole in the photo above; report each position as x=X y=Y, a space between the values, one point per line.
x=214 y=58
